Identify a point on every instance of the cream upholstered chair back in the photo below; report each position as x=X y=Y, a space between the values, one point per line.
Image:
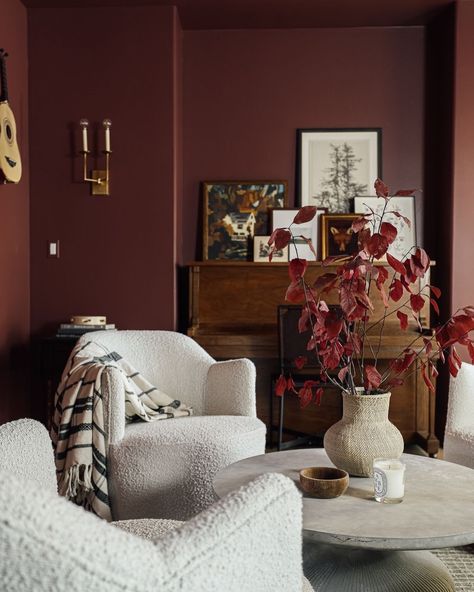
x=459 y=435
x=172 y=362
x=26 y=451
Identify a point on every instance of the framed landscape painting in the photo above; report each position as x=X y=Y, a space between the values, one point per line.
x=236 y=211
x=261 y=251
x=335 y=165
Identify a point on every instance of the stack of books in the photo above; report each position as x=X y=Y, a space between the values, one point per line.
x=75 y=330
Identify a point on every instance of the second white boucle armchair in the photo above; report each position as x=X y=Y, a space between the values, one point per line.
x=164 y=469
x=459 y=436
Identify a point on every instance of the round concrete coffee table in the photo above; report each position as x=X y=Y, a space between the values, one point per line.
x=354 y=543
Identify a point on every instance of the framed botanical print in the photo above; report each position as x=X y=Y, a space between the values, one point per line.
x=235 y=211
x=335 y=165
x=404 y=206
x=337 y=235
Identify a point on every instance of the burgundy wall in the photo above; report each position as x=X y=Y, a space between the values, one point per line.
x=117 y=252
x=14 y=226
x=246 y=92
x=463 y=200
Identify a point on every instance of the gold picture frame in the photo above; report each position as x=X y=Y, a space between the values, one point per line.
x=337 y=236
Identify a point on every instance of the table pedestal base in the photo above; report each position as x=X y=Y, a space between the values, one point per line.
x=340 y=569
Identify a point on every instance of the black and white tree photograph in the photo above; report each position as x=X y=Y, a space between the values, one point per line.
x=337 y=165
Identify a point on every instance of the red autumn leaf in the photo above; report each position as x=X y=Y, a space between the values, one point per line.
x=458 y=327
x=347 y=301
x=377 y=245
x=401 y=364
x=382 y=276
x=295 y=292
x=404 y=218
x=396 y=264
x=325 y=281
x=436 y=291
x=403 y=318
x=280 y=386
x=290 y=385
x=433 y=370
x=360 y=222
x=372 y=378
x=381 y=189
x=428 y=382
x=389 y=231
x=332 y=355
x=300 y=362
x=417 y=302
x=280 y=237
x=456 y=356
x=434 y=304
x=305 y=395
x=318 y=396
x=404 y=192
x=332 y=324
x=364 y=236
x=305 y=214
x=470 y=349
x=396 y=290
x=452 y=365
x=419 y=262
x=297 y=269
x=342 y=373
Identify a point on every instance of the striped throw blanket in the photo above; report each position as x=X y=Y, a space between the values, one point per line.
x=79 y=430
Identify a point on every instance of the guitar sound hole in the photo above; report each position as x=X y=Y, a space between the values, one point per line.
x=8 y=131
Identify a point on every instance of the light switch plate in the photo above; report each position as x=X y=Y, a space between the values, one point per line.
x=53 y=249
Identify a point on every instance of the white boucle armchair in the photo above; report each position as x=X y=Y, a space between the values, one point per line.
x=165 y=469
x=250 y=541
x=459 y=435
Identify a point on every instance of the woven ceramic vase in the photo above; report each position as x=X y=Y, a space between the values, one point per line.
x=363 y=434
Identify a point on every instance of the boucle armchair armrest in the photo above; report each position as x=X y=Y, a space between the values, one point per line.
x=230 y=388
x=114 y=404
x=250 y=541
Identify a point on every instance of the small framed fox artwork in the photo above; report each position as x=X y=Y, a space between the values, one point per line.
x=337 y=236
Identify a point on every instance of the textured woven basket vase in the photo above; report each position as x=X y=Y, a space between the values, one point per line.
x=363 y=434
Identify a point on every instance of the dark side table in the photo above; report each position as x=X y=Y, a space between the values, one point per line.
x=50 y=355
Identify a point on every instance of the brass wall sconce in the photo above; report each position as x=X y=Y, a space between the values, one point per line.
x=99 y=179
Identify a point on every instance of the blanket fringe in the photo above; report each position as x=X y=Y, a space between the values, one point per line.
x=76 y=483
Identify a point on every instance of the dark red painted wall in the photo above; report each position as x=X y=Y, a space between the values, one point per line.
x=117 y=252
x=463 y=198
x=246 y=92
x=14 y=226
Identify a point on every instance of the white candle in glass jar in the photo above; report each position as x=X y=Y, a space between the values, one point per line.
x=389 y=480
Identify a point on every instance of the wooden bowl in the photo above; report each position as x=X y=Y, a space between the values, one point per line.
x=324 y=482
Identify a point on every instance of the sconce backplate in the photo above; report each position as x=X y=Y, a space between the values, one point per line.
x=102 y=188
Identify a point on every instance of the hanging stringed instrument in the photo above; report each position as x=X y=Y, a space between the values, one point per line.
x=10 y=161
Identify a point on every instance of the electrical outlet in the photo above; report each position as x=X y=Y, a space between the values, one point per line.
x=53 y=249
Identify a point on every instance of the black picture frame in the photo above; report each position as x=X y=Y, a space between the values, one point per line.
x=319 y=148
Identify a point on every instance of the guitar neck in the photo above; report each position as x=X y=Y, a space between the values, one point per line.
x=3 y=78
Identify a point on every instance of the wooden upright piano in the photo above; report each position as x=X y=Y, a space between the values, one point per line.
x=233 y=314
